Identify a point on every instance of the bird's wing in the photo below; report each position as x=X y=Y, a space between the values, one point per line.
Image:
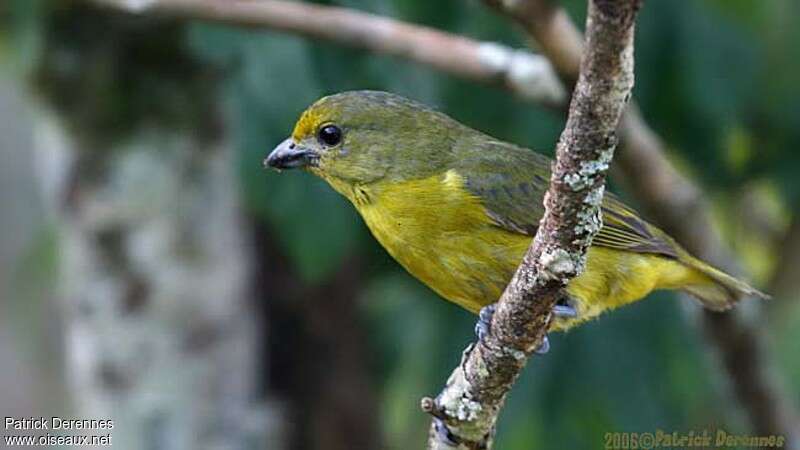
x=623 y=229
x=511 y=182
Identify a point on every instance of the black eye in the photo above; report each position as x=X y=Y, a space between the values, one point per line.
x=330 y=135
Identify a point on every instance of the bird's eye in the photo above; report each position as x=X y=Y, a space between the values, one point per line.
x=330 y=135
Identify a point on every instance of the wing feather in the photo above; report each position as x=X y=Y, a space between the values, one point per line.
x=511 y=182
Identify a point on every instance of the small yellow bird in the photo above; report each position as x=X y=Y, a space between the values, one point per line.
x=458 y=208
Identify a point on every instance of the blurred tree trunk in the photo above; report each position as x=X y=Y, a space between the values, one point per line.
x=30 y=329
x=161 y=333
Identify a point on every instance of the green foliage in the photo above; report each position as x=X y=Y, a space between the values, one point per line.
x=111 y=75
x=21 y=33
x=707 y=71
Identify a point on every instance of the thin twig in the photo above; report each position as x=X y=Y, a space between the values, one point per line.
x=528 y=75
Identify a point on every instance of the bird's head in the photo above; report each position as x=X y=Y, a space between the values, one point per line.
x=359 y=137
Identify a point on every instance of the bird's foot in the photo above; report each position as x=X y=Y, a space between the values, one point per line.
x=564 y=311
x=443 y=434
x=484 y=325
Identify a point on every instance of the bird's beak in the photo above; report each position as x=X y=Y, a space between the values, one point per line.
x=288 y=155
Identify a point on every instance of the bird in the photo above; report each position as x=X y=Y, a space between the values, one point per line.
x=458 y=209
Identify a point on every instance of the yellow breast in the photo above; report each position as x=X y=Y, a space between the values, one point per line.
x=441 y=234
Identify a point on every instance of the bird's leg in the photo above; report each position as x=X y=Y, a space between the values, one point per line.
x=484 y=323
x=561 y=310
x=564 y=311
x=443 y=434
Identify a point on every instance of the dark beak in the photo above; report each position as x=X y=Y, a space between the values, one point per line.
x=288 y=155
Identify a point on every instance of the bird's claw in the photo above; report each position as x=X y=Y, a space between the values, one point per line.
x=564 y=312
x=443 y=434
x=484 y=325
x=544 y=347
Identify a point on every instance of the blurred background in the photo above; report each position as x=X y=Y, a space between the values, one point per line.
x=152 y=272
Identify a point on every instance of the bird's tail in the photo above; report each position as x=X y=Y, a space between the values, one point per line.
x=715 y=289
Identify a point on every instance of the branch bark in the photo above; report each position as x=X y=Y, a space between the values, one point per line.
x=678 y=206
x=469 y=405
x=528 y=75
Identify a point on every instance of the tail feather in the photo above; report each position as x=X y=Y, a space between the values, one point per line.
x=715 y=289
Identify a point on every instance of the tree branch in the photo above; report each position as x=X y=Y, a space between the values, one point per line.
x=470 y=403
x=528 y=75
x=678 y=206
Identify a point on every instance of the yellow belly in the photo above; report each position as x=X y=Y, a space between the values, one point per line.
x=442 y=235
